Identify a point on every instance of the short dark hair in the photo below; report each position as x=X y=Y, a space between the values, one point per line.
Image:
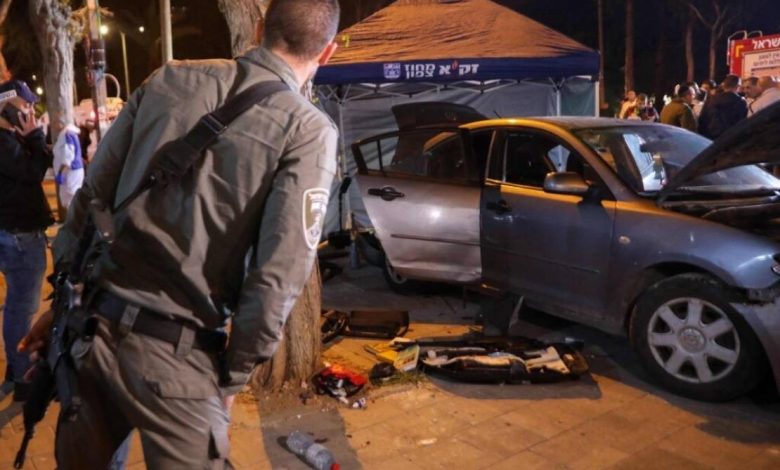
x=731 y=81
x=684 y=88
x=753 y=81
x=301 y=27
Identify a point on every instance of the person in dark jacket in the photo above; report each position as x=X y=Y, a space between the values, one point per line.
x=679 y=112
x=723 y=110
x=24 y=215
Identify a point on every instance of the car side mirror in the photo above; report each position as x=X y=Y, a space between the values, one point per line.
x=569 y=183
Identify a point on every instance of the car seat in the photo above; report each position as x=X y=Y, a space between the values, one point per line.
x=528 y=165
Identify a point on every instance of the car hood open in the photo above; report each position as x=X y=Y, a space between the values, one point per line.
x=434 y=114
x=753 y=140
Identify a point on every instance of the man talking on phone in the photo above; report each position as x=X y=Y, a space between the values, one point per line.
x=24 y=215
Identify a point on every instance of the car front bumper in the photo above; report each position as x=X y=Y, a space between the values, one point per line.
x=764 y=319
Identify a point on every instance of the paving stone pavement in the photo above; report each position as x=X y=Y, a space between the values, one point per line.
x=615 y=418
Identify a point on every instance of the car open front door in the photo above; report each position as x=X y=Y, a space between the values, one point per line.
x=422 y=195
x=554 y=248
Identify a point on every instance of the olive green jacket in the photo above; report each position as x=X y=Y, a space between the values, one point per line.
x=678 y=113
x=240 y=231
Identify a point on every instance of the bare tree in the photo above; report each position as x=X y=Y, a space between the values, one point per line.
x=5 y=74
x=602 y=85
x=57 y=32
x=298 y=355
x=241 y=17
x=690 y=61
x=721 y=17
x=629 y=64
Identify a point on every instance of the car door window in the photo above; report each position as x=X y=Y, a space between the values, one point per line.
x=481 y=144
x=522 y=159
x=427 y=153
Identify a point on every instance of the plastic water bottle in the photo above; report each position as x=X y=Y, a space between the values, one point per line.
x=316 y=455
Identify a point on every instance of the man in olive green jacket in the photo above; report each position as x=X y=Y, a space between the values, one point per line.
x=237 y=235
x=680 y=112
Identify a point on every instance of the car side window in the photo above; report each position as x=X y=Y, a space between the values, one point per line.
x=522 y=159
x=481 y=143
x=427 y=153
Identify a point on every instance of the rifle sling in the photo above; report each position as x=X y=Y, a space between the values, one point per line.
x=177 y=157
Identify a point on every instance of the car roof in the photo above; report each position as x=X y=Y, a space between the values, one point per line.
x=564 y=122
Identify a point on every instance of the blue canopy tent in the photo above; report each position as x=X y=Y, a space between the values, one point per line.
x=472 y=52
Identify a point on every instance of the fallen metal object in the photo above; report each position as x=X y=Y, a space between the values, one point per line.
x=501 y=360
x=364 y=323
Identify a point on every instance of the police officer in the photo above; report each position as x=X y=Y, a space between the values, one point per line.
x=237 y=234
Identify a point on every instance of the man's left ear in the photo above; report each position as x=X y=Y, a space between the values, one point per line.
x=327 y=53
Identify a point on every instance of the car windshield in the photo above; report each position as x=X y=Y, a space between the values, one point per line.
x=647 y=157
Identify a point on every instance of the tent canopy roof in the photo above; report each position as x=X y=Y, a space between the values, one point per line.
x=453 y=40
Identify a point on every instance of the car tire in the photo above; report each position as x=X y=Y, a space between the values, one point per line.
x=398 y=283
x=690 y=339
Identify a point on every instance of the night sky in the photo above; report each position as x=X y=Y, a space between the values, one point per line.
x=200 y=31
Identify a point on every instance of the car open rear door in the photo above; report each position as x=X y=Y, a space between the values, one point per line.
x=422 y=194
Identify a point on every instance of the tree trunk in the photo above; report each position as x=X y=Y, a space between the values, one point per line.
x=5 y=74
x=714 y=37
x=51 y=21
x=241 y=17
x=602 y=86
x=298 y=355
x=660 y=55
x=689 y=60
x=629 y=66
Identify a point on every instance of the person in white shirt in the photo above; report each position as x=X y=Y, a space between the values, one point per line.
x=68 y=163
x=770 y=93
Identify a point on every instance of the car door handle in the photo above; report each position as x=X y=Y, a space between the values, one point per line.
x=500 y=207
x=387 y=193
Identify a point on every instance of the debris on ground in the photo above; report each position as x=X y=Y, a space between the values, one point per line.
x=501 y=360
x=364 y=323
x=339 y=382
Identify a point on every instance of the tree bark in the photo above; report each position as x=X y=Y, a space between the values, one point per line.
x=689 y=58
x=241 y=17
x=660 y=55
x=602 y=86
x=51 y=21
x=629 y=65
x=298 y=355
x=5 y=74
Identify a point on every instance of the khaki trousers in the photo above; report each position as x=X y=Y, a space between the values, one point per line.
x=133 y=381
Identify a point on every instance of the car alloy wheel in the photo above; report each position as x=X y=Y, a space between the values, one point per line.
x=693 y=340
x=393 y=275
x=690 y=339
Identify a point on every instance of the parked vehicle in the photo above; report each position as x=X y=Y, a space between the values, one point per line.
x=634 y=228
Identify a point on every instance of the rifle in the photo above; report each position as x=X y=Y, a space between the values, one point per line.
x=56 y=375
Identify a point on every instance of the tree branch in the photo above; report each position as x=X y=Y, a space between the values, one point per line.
x=700 y=16
x=4 y=7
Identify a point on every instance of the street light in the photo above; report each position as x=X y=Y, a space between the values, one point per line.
x=104 y=31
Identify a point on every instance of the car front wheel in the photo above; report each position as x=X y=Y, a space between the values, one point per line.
x=398 y=283
x=692 y=341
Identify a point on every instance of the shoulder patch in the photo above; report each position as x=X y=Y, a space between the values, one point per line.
x=315 y=204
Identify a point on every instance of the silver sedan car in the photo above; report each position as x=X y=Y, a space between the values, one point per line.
x=634 y=228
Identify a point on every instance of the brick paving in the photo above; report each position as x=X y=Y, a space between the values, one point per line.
x=613 y=419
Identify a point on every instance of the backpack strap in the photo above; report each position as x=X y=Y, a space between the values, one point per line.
x=175 y=158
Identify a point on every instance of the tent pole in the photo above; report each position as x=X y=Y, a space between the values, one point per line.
x=597 y=95
x=347 y=206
